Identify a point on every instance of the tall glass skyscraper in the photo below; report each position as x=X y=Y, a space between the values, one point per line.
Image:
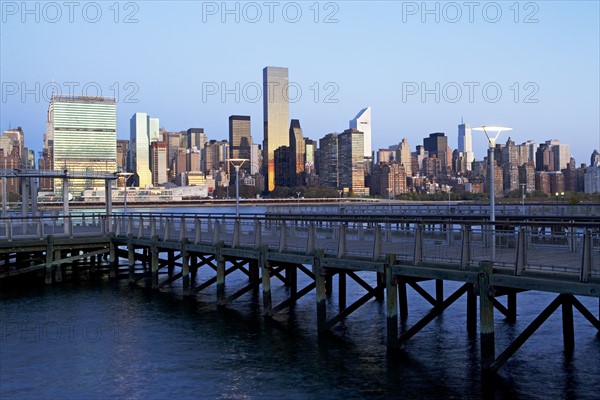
x=276 y=118
x=143 y=131
x=240 y=140
x=84 y=134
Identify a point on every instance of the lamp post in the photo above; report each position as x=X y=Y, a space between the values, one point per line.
x=237 y=163
x=126 y=176
x=492 y=145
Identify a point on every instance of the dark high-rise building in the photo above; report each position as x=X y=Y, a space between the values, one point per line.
x=240 y=140
x=527 y=176
x=122 y=155
x=297 y=153
x=437 y=143
x=283 y=164
x=544 y=158
x=327 y=160
x=276 y=118
x=351 y=161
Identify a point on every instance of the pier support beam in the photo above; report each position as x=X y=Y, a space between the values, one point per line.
x=486 y=316
x=567 y=322
x=403 y=299
x=471 y=311
x=185 y=268
x=266 y=281
x=49 y=255
x=114 y=262
x=342 y=290
x=220 y=273
x=131 y=259
x=154 y=263
x=320 y=289
x=391 y=291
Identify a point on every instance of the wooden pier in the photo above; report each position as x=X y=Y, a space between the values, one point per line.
x=384 y=256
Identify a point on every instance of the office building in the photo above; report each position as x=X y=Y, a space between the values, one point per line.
x=276 y=118
x=465 y=144
x=143 y=131
x=362 y=122
x=403 y=156
x=297 y=153
x=83 y=131
x=158 y=162
x=327 y=160
x=351 y=162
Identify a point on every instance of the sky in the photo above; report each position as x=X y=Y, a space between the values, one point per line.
x=422 y=67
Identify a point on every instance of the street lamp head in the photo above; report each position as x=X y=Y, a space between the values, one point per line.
x=491 y=129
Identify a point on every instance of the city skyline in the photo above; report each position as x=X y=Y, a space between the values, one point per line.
x=422 y=61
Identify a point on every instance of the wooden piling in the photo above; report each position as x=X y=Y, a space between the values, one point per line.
x=391 y=290
x=486 y=316
x=320 y=289
x=49 y=255
x=220 y=271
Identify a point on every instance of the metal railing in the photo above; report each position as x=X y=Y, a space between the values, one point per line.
x=565 y=248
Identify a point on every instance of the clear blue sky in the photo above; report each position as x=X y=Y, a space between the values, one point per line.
x=544 y=56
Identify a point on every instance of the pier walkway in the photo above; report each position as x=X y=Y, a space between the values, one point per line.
x=398 y=253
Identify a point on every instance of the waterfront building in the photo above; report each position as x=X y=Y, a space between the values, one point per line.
x=83 y=131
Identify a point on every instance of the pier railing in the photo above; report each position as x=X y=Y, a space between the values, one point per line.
x=572 y=249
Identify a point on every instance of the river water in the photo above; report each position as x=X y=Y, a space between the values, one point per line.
x=106 y=340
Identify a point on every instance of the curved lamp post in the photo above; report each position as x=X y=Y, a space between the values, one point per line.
x=126 y=176
x=492 y=145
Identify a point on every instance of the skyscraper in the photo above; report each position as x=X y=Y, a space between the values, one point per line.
x=327 y=160
x=196 y=138
x=403 y=156
x=297 y=153
x=158 y=162
x=351 y=162
x=465 y=143
x=362 y=122
x=437 y=144
x=276 y=118
x=84 y=134
x=142 y=129
x=240 y=140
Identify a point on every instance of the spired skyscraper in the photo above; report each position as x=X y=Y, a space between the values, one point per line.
x=84 y=135
x=465 y=143
x=362 y=122
x=276 y=118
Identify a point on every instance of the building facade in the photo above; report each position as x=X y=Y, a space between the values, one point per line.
x=362 y=123
x=276 y=118
x=83 y=131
